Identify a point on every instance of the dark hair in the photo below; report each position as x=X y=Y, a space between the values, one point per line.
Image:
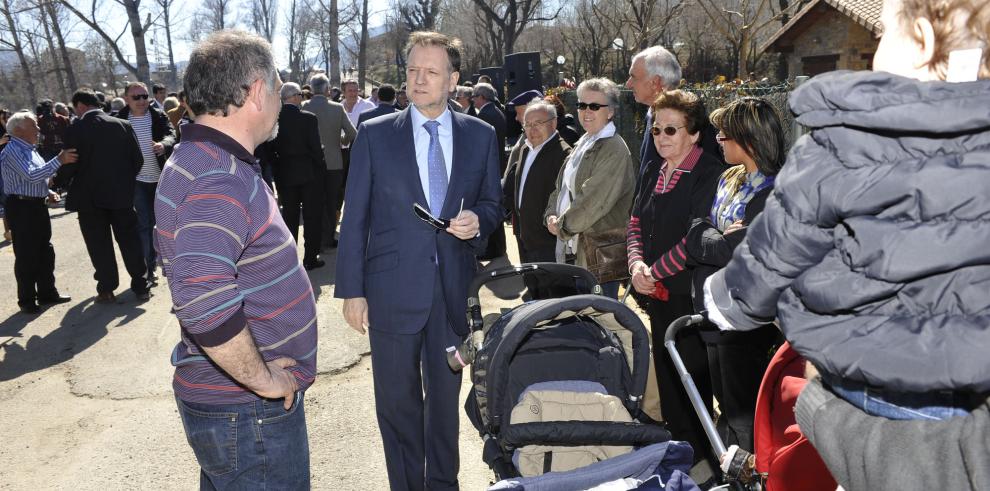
x=156 y=88
x=427 y=38
x=222 y=68
x=755 y=126
x=86 y=97
x=685 y=103
x=386 y=93
x=44 y=107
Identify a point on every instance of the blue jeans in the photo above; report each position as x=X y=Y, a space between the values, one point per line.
x=256 y=445
x=144 y=205
x=934 y=405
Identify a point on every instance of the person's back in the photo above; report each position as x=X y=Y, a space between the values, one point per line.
x=109 y=159
x=869 y=252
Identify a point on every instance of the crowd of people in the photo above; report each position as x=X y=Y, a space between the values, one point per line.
x=861 y=247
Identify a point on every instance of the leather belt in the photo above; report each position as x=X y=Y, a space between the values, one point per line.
x=25 y=198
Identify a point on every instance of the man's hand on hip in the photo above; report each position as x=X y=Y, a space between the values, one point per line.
x=356 y=313
x=281 y=382
x=465 y=225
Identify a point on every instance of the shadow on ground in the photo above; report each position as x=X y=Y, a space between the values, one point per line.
x=82 y=326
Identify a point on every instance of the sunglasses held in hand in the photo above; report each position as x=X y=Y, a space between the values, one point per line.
x=437 y=223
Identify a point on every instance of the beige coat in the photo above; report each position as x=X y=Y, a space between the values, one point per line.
x=603 y=197
x=335 y=129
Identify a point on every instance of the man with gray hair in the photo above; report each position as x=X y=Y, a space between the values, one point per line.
x=25 y=182
x=531 y=177
x=653 y=71
x=244 y=304
x=336 y=130
x=299 y=172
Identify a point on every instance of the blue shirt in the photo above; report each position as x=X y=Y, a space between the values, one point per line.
x=421 y=140
x=25 y=173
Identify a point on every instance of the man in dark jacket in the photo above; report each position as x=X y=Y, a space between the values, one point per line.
x=386 y=104
x=155 y=137
x=486 y=102
x=534 y=164
x=101 y=189
x=299 y=167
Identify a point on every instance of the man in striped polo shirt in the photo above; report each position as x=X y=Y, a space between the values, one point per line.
x=244 y=302
x=155 y=137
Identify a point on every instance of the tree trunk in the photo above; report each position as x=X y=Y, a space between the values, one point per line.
x=363 y=46
x=51 y=53
x=333 y=45
x=167 y=17
x=143 y=72
x=293 y=56
x=19 y=49
x=70 y=73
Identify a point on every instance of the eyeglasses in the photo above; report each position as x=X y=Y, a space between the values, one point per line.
x=536 y=124
x=721 y=138
x=594 y=106
x=138 y=97
x=669 y=130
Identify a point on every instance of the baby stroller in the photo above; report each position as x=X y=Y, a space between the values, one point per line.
x=785 y=460
x=558 y=386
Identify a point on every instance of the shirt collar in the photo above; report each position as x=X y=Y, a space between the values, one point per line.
x=690 y=161
x=418 y=118
x=539 y=147
x=21 y=144
x=192 y=132
x=92 y=110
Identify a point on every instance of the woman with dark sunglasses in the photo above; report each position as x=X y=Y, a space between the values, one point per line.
x=595 y=185
x=752 y=139
x=674 y=190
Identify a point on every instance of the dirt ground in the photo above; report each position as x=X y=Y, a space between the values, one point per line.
x=88 y=402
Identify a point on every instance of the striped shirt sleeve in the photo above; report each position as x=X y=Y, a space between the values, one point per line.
x=23 y=164
x=671 y=262
x=634 y=241
x=212 y=228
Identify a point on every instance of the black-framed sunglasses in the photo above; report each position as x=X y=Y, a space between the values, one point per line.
x=594 y=106
x=669 y=130
x=721 y=138
x=139 y=97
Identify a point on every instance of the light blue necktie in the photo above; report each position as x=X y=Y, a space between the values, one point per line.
x=437 y=169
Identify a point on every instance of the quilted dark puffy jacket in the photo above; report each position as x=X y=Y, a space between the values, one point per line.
x=873 y=252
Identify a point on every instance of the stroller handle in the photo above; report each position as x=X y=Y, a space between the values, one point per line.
x=474 y=305
x=686 y=380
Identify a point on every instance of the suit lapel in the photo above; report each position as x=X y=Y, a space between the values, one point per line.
x=462 y=141
x=519 y=172
x=408 y=169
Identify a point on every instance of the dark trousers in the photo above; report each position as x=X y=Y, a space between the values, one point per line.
x=419 y=432
x=34 y=256
x=144 y=206
x=737 y=370
x=310 y=196
x=96 y=226
x=334 y=185
x=675 y=406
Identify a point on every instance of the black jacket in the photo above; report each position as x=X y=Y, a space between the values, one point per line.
x=872 y=250
x=381 y=110
x=161 y=131
x=494 y=116
x=666 y=218
x=298 y=152
x=109 y=161
x=527 y=220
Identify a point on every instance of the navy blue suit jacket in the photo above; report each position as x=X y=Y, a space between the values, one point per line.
x=386 y=253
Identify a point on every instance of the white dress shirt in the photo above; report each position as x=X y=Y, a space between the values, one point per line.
x=421 y=140
x=360 y=106
x=528 y=164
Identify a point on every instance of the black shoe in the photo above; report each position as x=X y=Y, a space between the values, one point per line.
x=106 y=298
x=314 y=263
x=143 y=296
x=152 y=279
x=57 y=299
x=31 y=308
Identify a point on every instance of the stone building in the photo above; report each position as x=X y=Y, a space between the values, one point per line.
x=828 y=35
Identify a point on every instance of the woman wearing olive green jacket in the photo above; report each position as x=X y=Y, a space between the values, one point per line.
x=595 y=186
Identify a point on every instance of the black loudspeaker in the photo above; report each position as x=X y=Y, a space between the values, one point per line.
x=522 y=73
x=497 y=74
